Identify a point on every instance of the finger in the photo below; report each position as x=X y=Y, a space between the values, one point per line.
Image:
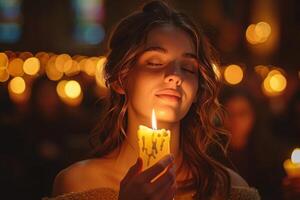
x=133 y=170
x=156 y=169
x=168 y=178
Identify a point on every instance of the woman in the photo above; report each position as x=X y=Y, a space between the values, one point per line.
x=158 y=59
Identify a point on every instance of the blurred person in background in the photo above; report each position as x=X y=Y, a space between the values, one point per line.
x=287 y=128
x=252 y=147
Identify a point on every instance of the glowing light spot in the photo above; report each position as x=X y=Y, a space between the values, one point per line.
x=4 y=75
x=72 y=89
x=25 y=55
x=233 y=74
x=263 y=31
x=17 y=85
x=73 y=68
x=61 y=61
x=15 y=67
x=60 y=89
x=100 y=80
x=296 y=156
x=51 y=71
x=261 y=70
x=267 y=87
x=275 y=83
x=3 y=60
x=250 y=34
x=258 y=33
x=31 y=66
x=89 y=66
x=278 y=82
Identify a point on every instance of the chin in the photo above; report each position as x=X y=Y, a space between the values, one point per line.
x=167 y=115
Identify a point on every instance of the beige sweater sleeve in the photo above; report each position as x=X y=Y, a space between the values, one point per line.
x=237 y=193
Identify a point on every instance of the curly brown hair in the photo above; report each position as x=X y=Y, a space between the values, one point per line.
x=198 y=130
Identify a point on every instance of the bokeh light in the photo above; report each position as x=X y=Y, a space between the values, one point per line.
x=60 y=62
x=15 y=67
x=275 y=83
x=263 y=31
x=72 y=89
x=233 y=74
x=3 y=60
x=73 y=67
x=24 y=55
x=69 y=92
x=89 y=66
x=4 y=75
x=278 y=82
x=17 y=85
x=258 y=33
x=51 y=71
x=31 y=66
x=261 y=70
x=296 y=156
x=100 y=80
x=60 y=89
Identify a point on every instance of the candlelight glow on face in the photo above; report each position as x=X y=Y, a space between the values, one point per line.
x=154 y=124
x=154 y=143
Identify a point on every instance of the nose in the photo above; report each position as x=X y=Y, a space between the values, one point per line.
x=174 y=78
x=174 y=75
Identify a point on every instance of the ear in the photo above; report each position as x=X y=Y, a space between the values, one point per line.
x=117 y=87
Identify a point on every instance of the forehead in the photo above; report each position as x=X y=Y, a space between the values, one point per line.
x=170 y=37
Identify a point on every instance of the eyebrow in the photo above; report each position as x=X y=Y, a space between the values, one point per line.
x=165 y=51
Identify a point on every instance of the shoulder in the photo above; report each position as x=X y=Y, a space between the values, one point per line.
x=236 y=179
x=77 y=177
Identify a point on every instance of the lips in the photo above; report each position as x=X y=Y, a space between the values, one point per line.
x=169 y=93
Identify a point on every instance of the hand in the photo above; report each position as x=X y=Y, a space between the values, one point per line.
x=291 y=188
x=137 y=185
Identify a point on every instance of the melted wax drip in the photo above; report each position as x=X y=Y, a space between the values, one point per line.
x=154 y=150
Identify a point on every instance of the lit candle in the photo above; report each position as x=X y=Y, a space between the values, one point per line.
x=153 y=144
x=292 y=166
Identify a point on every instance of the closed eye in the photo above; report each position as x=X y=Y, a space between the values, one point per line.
x=188 y=69
x=154 y=64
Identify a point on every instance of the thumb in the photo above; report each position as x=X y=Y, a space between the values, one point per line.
x=133 y=170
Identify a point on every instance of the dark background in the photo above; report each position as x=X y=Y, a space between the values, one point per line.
x=44 y=135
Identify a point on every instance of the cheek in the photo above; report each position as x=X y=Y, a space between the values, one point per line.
x=191 y=90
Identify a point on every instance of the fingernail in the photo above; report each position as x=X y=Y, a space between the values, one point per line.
x=172 y=157
x=166 y=160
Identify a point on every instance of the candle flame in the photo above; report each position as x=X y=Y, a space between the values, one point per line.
x=296 y=156
x=154 y=125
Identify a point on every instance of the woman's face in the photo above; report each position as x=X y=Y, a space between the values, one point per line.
x=165 y=77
